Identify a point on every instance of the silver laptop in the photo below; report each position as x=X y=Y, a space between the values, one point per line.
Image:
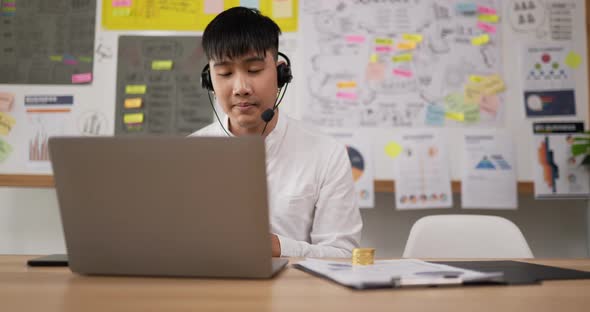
x=164 y=206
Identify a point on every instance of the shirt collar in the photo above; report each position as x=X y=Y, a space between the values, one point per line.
x=274 y=138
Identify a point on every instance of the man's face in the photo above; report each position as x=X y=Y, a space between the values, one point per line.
x=245 y=87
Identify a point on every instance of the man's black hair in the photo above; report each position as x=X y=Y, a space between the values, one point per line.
x=238 y=31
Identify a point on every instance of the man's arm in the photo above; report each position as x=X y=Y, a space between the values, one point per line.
x=276 y=245
x=337 y=223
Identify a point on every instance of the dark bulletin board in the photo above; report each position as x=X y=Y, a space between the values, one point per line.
x=46 y=41
x=158 y=86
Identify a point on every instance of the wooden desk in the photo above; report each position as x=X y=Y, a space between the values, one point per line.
x=57 y=289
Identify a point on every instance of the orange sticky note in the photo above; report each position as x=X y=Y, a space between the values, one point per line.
x=406 y=45
x=346 y=84
x=133 y=103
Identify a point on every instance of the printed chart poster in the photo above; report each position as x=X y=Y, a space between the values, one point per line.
x=360 y=153
x=422 y=171
x=46 y=116
x=557 y=173
x=549 y=82
x=489 y=173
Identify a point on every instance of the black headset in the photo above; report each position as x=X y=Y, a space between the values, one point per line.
x=284 y=75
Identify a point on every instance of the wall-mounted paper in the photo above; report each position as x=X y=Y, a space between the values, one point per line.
x=489 y=173
x=422 y=171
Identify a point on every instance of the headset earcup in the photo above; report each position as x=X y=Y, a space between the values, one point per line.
x=283 y=74
x=206 y=78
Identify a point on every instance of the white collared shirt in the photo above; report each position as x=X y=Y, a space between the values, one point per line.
x=313 y=204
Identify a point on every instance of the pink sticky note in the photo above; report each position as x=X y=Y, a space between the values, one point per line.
x=82 y=78
x=70 y=62
x=9 y=4
x=402 y=73
x=383 y=49
x=213 y=6
x=346 y=95
x=6 y=101
x=375 y=72
x=489 y=104
x=121 y=3
x=486 y=27
x=485 y=10
x=355 y=39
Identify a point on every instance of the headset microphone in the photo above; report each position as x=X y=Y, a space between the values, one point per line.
x=267 y=115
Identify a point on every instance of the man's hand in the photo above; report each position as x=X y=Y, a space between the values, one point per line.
x=276 y=245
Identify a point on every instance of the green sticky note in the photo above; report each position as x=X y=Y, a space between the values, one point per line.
x=5 y=150
x=471 y=113
x=135 y=89
x=85 y=59
x=573 y=60
x=121 y=12
x=406 y=57
x=454 y=102
x=162 y=65
x=56 y=58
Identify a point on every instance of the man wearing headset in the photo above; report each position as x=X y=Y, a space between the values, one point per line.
x=313 y=205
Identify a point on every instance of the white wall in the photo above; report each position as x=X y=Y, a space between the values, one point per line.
x=30 y=224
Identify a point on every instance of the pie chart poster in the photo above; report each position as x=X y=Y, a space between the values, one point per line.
x=361 y=161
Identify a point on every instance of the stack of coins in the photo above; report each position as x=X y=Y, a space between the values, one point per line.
x=363 y=256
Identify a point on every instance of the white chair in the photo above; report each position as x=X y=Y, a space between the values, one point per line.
x=466 y=236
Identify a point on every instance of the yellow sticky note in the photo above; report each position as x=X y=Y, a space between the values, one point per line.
x=573 y=60
x=480 y=40
x=346 y=84
x=476 y=78
x=6 y=123
x=393 y=149
x=406 y=45
x=412 y=37
x=473 y=93
x=374 y=58
x=133 y=118
x=162 y=65
x=135 y=89
x=56 y=58
x=455 y=116
x=492 y=85
x=384 y=41
x=488 y=18
x=133 y=103
x=406 y=57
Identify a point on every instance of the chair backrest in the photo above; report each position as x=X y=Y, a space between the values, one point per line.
x=466 y=236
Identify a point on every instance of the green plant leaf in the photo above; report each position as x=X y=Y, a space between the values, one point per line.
x=579 y=149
